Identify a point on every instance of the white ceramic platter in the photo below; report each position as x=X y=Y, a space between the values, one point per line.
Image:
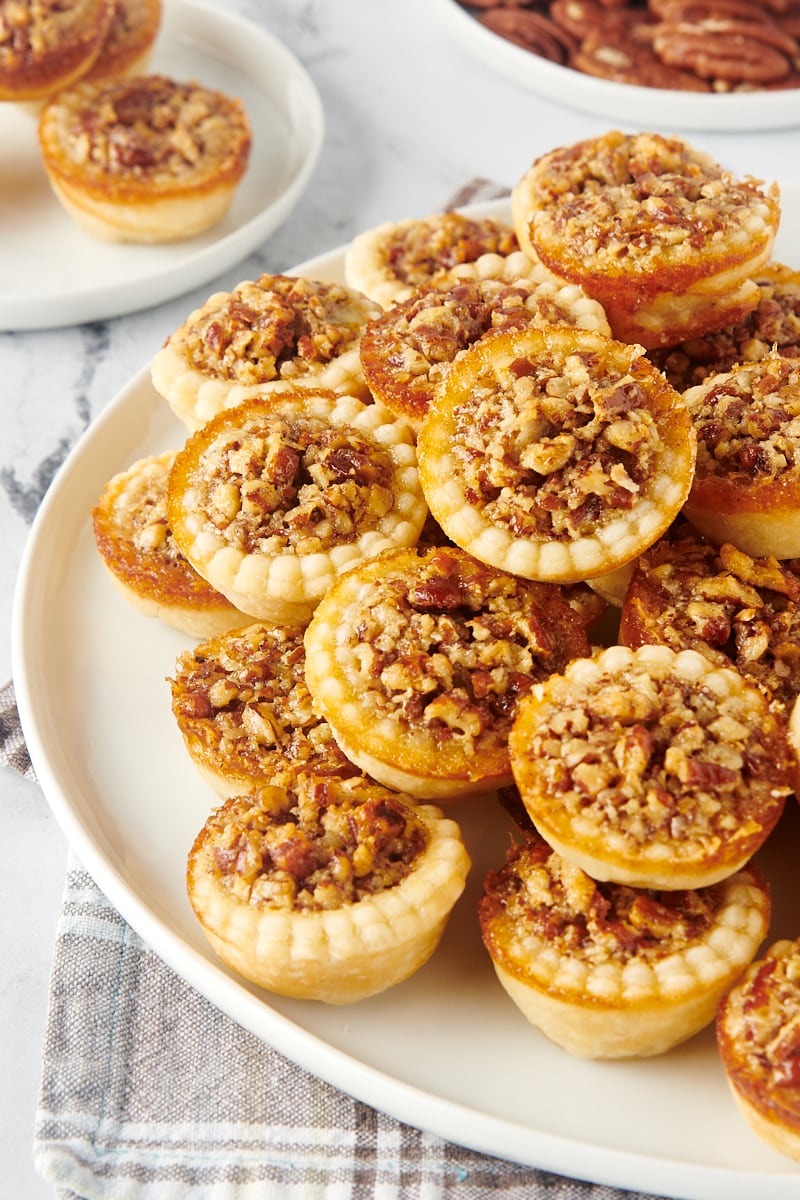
x=52 y=273
x=446 y=1051
x=653 y=108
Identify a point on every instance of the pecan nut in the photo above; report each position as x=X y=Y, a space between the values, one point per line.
x=531 y=31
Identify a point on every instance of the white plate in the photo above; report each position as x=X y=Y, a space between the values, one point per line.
x=655 y=108
x=445 y=1051
x=52 y=273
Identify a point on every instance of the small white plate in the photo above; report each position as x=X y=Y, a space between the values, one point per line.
x=651 y=107
x=446 y=1051
x=52 y=273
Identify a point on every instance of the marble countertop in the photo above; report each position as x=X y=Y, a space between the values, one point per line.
x=410 y=117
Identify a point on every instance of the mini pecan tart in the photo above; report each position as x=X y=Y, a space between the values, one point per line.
x=325 y=888
x=388 y=262
x=758 y=1036
x=655 y=230
x=417 y=659
x=651 y=767
x=406 y=351
x=746 y=488
x=270 y=501
x=243 y=708
x=609 y=971
x=135 y=542
x=46 y=44
x=144 y=158
x=274 y=333
x=774 y=324
x=555 y=453
x=127 y=46
x=736 y=610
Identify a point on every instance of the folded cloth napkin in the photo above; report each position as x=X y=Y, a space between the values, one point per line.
x=148 y=1092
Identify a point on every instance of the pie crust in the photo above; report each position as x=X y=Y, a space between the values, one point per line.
x=46 y=45
x=758 y=1035
x=243 y=708
x=655 y=230
x=773 y=324
x=325 y=888
x=556 y=453
x=135 y=542
x=144 y=158
x=277 y=332
x=746 y=488
x=388 y=262
x=736 y=610
x=407 y=350
x=650 y=767
x=417 y=659
x=272 y=500
x=608 y=971
x=127 y=46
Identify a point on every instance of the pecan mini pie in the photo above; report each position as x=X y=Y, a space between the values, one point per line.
x=651 y=767
x=609 y=971
x=418 y=658
x=406 y=351
x=774 y=324
x=746 y=488
x=555 y=453
x=272 y=500
x=243 y=708
x=655 y=230
x=46 y=44
x=388 y=262
x=133 y=536
x=145 y=158
x=325 y=888
x=736 y=610
x=276 y=332
x=128 y=44
x=758 y=1035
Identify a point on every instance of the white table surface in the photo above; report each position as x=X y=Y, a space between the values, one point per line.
x=410 y=117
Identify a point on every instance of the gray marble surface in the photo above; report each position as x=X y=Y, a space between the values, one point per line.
x=409 y=118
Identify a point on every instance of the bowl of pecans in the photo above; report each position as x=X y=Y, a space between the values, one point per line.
x=693 y=64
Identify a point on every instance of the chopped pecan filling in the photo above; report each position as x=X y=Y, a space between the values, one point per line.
x=315 y=843
x=645 y=195
x=244 y=697
x=774 y=323
x=275 y=327
x=539 y=895
x=296 y=484
x=734 y=609
x=452 y=651
x=32 y=29
x=550 y=450
x=748 y=420
x=151 y=128
x=421 y=250
x=661 y=759
x=767 y=1030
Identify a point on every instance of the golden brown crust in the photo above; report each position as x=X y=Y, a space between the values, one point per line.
x=417 y=659
x=135 y=541
x=243 y=708
x=325 y=888
x=46 y=45
x=651 y=767
x=758 y=1035
x=655 y=230
x=276 y=332
x=610 y=971
x=555 y=453
x=738 y=611
x=127 y=45
x=746 y=488
x=144 y=158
